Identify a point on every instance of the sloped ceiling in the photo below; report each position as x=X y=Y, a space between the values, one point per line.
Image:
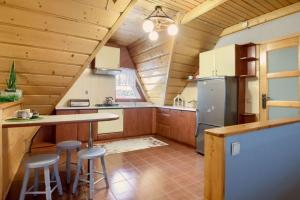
x=165 y=64
x=52 y=42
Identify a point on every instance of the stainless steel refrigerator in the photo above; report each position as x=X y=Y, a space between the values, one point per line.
x=216 y=106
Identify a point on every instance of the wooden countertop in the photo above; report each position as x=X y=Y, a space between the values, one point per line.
x=61 y=119
x=126 y=107
x=244 y=128
x=10 y=104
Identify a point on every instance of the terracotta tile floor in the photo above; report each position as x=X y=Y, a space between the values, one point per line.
x=162 y=173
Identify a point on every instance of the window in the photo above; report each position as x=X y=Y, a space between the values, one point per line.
x=126 y=85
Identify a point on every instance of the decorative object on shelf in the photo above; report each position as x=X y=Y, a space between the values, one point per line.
x=158 y=21
x=11 y=93
x=179 y=101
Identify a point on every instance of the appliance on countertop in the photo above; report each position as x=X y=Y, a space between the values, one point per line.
x=109 y=101
x=79 y=102
x=216 y=106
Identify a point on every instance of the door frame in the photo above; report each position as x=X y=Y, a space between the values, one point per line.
x=264 y=76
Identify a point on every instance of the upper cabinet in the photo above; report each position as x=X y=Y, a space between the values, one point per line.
x=108 y=57
x=218 y=62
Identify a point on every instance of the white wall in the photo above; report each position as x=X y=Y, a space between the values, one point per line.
x=276 y=29
x=90 y=86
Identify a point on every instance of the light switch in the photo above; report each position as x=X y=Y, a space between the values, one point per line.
x=235 y=148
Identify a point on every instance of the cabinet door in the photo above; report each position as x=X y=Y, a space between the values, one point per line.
x=206 y=64
x=84 y=128
x=145 y=119
x=225 y=61
x=66 y=131
x=189 y=127
x=176 y=125
x=131 y=122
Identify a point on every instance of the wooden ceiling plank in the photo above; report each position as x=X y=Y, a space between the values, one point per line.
x=42 y=68
x=118 y=6
x=37 y=38
x=201 y=9
x=264 y=18
x=240 y=8
x=248 y=7
x=33 y=53
x=38 y=21
x=38 y=80
x=68 y=9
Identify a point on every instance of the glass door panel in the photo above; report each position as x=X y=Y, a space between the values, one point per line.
x=284 y=89
x=282 y=112
x=285 y=59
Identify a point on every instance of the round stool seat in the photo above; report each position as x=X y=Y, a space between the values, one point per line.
x=41 y=160
x=70 y=144
x=91 y=153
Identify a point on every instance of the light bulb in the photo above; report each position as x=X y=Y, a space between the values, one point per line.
x=148 y=26
x=173 y=29
x=153 y=36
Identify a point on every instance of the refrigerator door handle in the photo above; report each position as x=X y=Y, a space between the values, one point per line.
x=198 y=123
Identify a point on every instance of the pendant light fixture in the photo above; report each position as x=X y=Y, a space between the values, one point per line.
x=159 y=21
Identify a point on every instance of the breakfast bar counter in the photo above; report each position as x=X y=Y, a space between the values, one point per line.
x=45 y=120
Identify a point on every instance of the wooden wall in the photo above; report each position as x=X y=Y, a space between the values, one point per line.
x=14 y=144
x=152 y=62
x=193 y=38
x=51 y=42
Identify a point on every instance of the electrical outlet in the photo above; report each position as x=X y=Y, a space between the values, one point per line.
x=235 y=148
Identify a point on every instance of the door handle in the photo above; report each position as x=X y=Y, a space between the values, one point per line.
x=265 y=98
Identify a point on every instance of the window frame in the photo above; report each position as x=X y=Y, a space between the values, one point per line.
x=142 y=97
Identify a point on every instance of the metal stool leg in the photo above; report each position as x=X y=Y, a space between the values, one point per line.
x=36 y=180
x=75 y=185
x=24 y=184
x=47 y=183
x=57 y=178
x=68 y=166
x=104 y=171
x=91 y=176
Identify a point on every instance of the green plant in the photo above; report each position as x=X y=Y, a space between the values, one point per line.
x=11 y=83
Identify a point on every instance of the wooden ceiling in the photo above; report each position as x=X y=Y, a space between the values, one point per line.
x=166 y=64
x=52 y=42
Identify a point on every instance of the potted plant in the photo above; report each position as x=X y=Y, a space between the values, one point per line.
x=11 y=93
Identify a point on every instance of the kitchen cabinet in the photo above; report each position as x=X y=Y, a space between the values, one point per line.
x=138 y=121
x=177 y=125
x=83 y=128
x=218 y=62
x=115 y=126
x=66 y=131
x=108 y=57
x=74 y=131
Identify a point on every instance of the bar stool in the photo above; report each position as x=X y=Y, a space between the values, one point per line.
x=36 y=162
x=68 y=146
x=90 y=154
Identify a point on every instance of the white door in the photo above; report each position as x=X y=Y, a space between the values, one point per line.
x=206 y=64
x=225 y=61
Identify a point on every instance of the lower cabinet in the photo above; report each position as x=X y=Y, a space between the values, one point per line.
x=138 y=121
x=177 y=125
x=75 y=131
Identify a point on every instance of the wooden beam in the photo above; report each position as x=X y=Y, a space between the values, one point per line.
x=262 y=19
x=101 y=44
x=201 y=9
